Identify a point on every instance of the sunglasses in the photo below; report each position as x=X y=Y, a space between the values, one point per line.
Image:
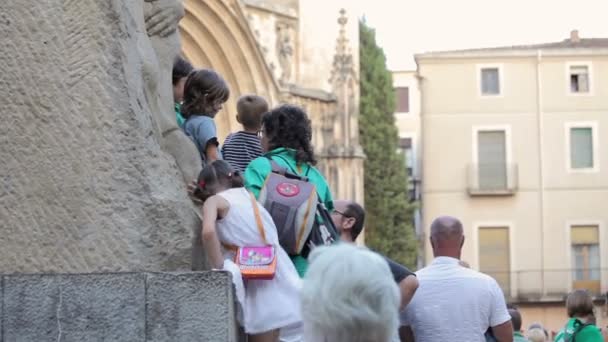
x=340 y=213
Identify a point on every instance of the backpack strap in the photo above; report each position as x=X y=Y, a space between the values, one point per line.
x=258 y=218
x=276 y=168
x=283 y=171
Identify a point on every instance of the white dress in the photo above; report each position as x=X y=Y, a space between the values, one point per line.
x=265 y=304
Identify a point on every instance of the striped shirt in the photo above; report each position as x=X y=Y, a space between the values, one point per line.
x=241 y=148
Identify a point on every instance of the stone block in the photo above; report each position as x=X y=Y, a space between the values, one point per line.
x=190 y=307
x=79 y=307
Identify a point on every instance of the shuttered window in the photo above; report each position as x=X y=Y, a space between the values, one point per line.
x=492 y=160
x=494 y=255
x=402 y=100
x=581 y=148
x=490 y=81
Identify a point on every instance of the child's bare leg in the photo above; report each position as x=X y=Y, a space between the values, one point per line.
x=269 y=336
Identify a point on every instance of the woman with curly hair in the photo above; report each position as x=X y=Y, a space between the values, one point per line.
x=286 y=138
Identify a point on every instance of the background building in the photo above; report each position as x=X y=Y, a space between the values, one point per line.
x=288 y=51
x=513 y=144
x=407 y=119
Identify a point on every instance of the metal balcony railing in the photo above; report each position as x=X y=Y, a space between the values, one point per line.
x=496 y=179
x=551 y=285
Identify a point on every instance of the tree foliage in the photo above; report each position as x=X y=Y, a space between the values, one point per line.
x=389 y=215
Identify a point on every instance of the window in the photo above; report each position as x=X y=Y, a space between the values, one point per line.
x=492 y=160
x=406 y=147
x=402 y=100
x=490 y=81
x=585 y=257
x=579 y=79
x=494 y=255
x=582 y=146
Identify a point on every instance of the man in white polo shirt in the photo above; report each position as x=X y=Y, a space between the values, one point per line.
x=454 y=303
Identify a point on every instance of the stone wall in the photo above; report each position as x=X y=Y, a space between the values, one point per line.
x=118 y=307
x=85 y=185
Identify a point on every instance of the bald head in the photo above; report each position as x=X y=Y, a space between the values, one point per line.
x=447 y=236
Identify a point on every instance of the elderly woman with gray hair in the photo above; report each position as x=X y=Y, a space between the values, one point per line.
x=349 y=295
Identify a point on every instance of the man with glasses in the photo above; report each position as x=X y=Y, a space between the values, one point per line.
x=349 y=218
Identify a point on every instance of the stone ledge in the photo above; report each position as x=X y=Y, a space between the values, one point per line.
x=194 y=306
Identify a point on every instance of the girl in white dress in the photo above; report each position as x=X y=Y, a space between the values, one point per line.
x=229 y=220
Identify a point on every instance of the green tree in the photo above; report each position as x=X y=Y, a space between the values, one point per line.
x=389 y=222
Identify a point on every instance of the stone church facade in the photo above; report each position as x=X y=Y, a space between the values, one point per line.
x=289 y=51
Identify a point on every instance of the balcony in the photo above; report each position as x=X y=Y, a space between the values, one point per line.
x=492 y=179
x=551 y=285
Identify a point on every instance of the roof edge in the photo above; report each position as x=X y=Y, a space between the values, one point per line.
x=511 y=53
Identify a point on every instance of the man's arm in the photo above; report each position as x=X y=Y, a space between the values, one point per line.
x=406 y=279
x=406 y=334
x=503 y=332
x=407 y=287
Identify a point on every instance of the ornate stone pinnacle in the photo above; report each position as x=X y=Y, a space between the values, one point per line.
x=343 y=19
x=343 y=59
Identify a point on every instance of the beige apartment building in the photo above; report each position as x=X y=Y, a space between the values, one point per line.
x=515 y=143
x=407 y=120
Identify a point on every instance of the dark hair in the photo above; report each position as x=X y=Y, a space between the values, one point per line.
x=181 y=69
x=250 y=109
x=515 y=319
x=288 y=126
x=579 y=303
x=354 y=210
x=203 y=87
x=218 y=173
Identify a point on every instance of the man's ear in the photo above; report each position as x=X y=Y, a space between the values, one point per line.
x=349 y=223
x=238 y=119
x=462 y=242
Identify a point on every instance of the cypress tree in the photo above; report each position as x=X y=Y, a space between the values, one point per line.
x=389 y=221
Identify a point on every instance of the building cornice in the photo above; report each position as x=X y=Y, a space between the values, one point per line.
x=575 y=52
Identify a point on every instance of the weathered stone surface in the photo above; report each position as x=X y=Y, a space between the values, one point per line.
x=190 y=307
x=85 y=183
x=126 y=307
x=104 y=307
x=1 y=309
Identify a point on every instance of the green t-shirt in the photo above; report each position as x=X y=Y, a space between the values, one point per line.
x=518 y=337
x=258 y=170
x=588 y=333
x=178 y=115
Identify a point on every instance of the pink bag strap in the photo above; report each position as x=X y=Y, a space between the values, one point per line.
x=258 y=219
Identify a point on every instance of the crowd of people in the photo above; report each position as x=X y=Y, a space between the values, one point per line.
x=334 y=291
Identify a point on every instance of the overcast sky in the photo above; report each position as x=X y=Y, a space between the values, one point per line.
x=406 y=27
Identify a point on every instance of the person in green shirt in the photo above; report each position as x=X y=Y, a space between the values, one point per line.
x=516 y=321
x=181 y=70
x=581 y=325
x=286 y=136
